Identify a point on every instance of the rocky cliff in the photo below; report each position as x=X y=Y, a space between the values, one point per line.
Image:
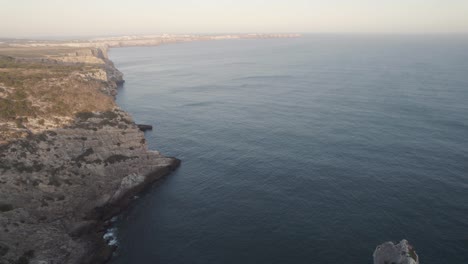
x=61 y=182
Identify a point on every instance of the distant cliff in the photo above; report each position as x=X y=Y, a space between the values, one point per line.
x=142 y=40
x=70 y=159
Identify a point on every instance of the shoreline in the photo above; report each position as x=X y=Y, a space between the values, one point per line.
x=70 y=158
x=104 y=250
x=60 y=186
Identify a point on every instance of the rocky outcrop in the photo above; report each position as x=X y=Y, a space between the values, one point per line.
x=97 y=55
x=401 y=253
x=113 y=74
x=144 y=127
x=58 y=188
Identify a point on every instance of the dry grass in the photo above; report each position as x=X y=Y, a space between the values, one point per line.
x=31 y=90
x=36 y=52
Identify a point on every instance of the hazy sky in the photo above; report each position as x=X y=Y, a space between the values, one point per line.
x=23 y=18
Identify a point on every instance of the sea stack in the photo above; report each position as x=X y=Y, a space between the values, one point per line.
x=401 y=253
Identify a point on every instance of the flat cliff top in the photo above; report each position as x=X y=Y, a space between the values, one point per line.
x=44 y=88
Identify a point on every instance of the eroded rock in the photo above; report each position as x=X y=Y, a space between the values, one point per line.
x=401 y=253
x=59 y=187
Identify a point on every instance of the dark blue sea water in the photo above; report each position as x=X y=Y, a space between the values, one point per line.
x=308 y=150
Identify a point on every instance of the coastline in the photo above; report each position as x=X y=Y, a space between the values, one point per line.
x=61 y=186
x=70 y=158
x=103 y=249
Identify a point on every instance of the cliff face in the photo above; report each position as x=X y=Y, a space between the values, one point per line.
x=60 y=184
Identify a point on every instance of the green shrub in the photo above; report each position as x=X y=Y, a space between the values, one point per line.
x=19 y=123
x=10 y=109
x=5 y=207
x=85 y=115
x=109 y=115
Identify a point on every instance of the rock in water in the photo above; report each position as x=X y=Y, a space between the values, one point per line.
x=144 y=128
x=401 y=253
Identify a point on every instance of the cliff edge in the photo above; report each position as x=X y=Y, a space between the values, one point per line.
x=70 y=158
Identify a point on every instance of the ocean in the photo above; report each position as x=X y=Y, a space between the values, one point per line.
x=302 y=150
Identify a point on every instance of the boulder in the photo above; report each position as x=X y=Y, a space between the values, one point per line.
x=401 y=253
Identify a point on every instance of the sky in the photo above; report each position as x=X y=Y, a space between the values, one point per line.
x=36 y=18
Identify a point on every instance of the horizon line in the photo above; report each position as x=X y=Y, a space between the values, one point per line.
x=84 y=36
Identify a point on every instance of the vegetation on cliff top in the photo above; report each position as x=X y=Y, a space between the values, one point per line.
x=35 y=93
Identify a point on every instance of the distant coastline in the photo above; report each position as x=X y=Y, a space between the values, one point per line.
x=139 y=40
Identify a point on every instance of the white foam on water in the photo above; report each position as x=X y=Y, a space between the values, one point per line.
x=111 y=236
